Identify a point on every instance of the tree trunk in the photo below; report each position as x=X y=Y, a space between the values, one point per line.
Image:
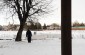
x=19 y=34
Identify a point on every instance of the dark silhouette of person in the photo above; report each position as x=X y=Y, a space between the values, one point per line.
x=28 y=35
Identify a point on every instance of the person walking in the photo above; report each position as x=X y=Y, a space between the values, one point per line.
x=28 y=35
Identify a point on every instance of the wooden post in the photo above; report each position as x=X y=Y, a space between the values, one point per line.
x=66 y=43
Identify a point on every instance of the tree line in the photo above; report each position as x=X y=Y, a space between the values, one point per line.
x=76 y=24
x=30 y=25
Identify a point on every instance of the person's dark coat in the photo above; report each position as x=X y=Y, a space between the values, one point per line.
x=28 y=35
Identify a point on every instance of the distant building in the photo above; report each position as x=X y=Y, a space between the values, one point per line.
x=11 y=27
x=51 y=27
x=78 y=28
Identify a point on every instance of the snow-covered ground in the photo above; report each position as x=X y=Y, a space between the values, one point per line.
x=43 y=43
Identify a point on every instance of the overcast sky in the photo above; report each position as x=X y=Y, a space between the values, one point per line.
x=78 y=10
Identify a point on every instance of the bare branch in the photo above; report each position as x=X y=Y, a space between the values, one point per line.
x=11 y=15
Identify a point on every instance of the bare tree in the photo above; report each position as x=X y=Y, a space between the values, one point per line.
x=27 y=10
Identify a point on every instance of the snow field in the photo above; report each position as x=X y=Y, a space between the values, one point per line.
x=43 y=43
x=37 y=47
